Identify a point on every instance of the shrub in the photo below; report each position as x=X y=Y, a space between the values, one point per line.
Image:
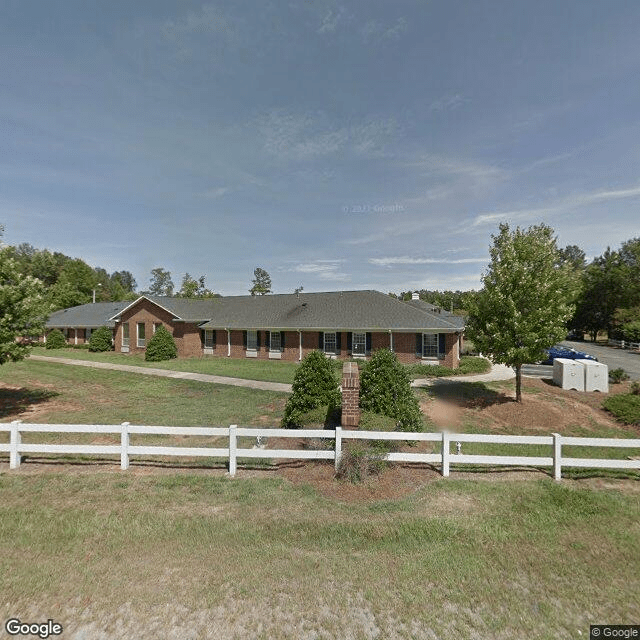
x=314 y=385
x=360 y=460
x=634 y=389
x=83 y=345
x=631 y=331
x=618 y=375
x=625 y=407
x=55 y=340
x=161 y=346
x=385 y=389
x=101 y=340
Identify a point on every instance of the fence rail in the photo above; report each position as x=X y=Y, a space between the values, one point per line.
x=444 y=458
x=624 y=344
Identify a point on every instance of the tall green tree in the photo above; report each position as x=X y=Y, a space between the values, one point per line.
x=526 y=299
x=23 y=308
x=261 y=282
x=192 y=288
x=161 y=283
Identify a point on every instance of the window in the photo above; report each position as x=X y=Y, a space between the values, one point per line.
x=429 y=345
x=87 y=334
x=209 y=338
x=274 y=341
x=359 y=344
x=329 y=341
x=125 y=334
x=141 y=340
x=156 y=325
x=252 y=340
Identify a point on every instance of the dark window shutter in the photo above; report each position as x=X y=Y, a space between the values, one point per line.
x=441 y=343
x=419 y=345
x=202 y=337
x=368 y=343
x=321 y=341
x=349 y=341
x=215 y=337
x=258 y=340
x=244 y=339
x=338 y=337
x=282 y=341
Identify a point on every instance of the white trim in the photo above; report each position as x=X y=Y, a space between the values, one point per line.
x=135 y=302
x=271 y=349
x=335 y=342
x=128 y=338
x=255 y=346
x=138 y=338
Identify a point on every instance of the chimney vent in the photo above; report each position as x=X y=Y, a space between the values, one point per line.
x=415 y=296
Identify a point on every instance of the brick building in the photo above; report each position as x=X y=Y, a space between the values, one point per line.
x=343 y=324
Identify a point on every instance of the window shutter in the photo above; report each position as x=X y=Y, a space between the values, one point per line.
x=349 y=341
x=419 y=345
x=215 y=338
x=202 y=337
x=321 y=340
x=282 y=341
x=338 y=336
x=257 y=341
x=441 y=343
x=244 y=339
x=368 y=343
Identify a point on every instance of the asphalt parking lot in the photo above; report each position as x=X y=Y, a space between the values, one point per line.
x=611 y=356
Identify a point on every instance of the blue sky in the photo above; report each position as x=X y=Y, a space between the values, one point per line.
x=339 y=145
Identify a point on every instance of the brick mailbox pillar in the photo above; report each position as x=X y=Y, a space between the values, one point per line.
x=350 y=395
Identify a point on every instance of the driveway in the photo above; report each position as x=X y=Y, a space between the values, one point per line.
x=614 y=358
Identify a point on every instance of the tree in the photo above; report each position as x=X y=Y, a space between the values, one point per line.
x=261 y=282
x=23 y=308
x=574 y=256
x=161 y=283
x=314 y=385
x=526 y=299
x=161 y=346
x=101 y=339
x=125 y=279
x=192 y=288
x=385 y=389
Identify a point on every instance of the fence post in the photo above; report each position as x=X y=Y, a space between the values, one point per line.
x=124 y=446
x=446 y=439
x=233 y=446
x=15 y=441
x=557 y=457
x=338 y=446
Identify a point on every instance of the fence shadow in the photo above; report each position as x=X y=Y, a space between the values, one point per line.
x=14 y=401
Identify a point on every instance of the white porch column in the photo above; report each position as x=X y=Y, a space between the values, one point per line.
x=75 y=335
x=391 y=339
x=228 y=343
x=300 y=348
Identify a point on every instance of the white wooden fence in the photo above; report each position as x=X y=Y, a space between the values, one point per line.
x=624 y=344
x=444 y=458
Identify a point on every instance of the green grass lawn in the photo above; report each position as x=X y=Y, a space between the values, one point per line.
x=197 y=556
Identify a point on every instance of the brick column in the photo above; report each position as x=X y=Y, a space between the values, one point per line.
x=350 y=395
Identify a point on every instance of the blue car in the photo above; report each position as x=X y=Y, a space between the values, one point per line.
x=558 y=351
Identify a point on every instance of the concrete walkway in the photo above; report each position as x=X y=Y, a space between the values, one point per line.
x=498 y=372
x=166 y=373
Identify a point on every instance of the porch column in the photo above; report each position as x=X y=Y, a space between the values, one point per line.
x=228 y=343
x=391 y=339
x=300 y=336
x=75 y=335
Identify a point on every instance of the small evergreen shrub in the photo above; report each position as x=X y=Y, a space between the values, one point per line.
x=385 y=389
x=55 y=340
x=360 y=460
x=314 y=385
x=618 y=375
x=625 y=407
x=634 y=389
x=161 y=346
x=101 y=340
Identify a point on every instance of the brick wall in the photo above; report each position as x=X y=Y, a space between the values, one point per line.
x=148 y=313
x=350 y=395
x=452 y=357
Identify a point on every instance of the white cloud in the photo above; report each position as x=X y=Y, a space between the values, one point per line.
x=407 y=260
x=323 y=269
x=375 y=30
x=331 y=20
x=448 y=102
x=216 y=192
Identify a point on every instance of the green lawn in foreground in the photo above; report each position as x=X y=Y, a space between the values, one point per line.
x=195 y=556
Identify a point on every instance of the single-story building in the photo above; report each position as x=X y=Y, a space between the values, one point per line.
x=343 y=324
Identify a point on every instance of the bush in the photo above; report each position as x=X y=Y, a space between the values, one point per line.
x=360 y=460
x=385 y=389
x=55 y=340
x=618 y=375
x=314 y=385
x=161 y=346
x=625 y=407
x=101 y=340
x=83 y=345
x=631 y=331
x=468 y=365
x=635 y=388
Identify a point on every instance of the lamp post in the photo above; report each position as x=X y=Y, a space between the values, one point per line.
x=94 y=293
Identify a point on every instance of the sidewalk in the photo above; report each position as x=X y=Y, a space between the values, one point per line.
x=165 y=373
x=498 y=372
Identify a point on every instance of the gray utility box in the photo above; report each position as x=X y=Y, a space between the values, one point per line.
x=596 y=376
x=568 y=374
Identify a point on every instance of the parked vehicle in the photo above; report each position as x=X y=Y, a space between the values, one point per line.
x=558 y=351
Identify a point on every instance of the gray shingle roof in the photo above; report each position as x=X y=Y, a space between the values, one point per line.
x=450 y=317
x=343 y=310
x=86 y=315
